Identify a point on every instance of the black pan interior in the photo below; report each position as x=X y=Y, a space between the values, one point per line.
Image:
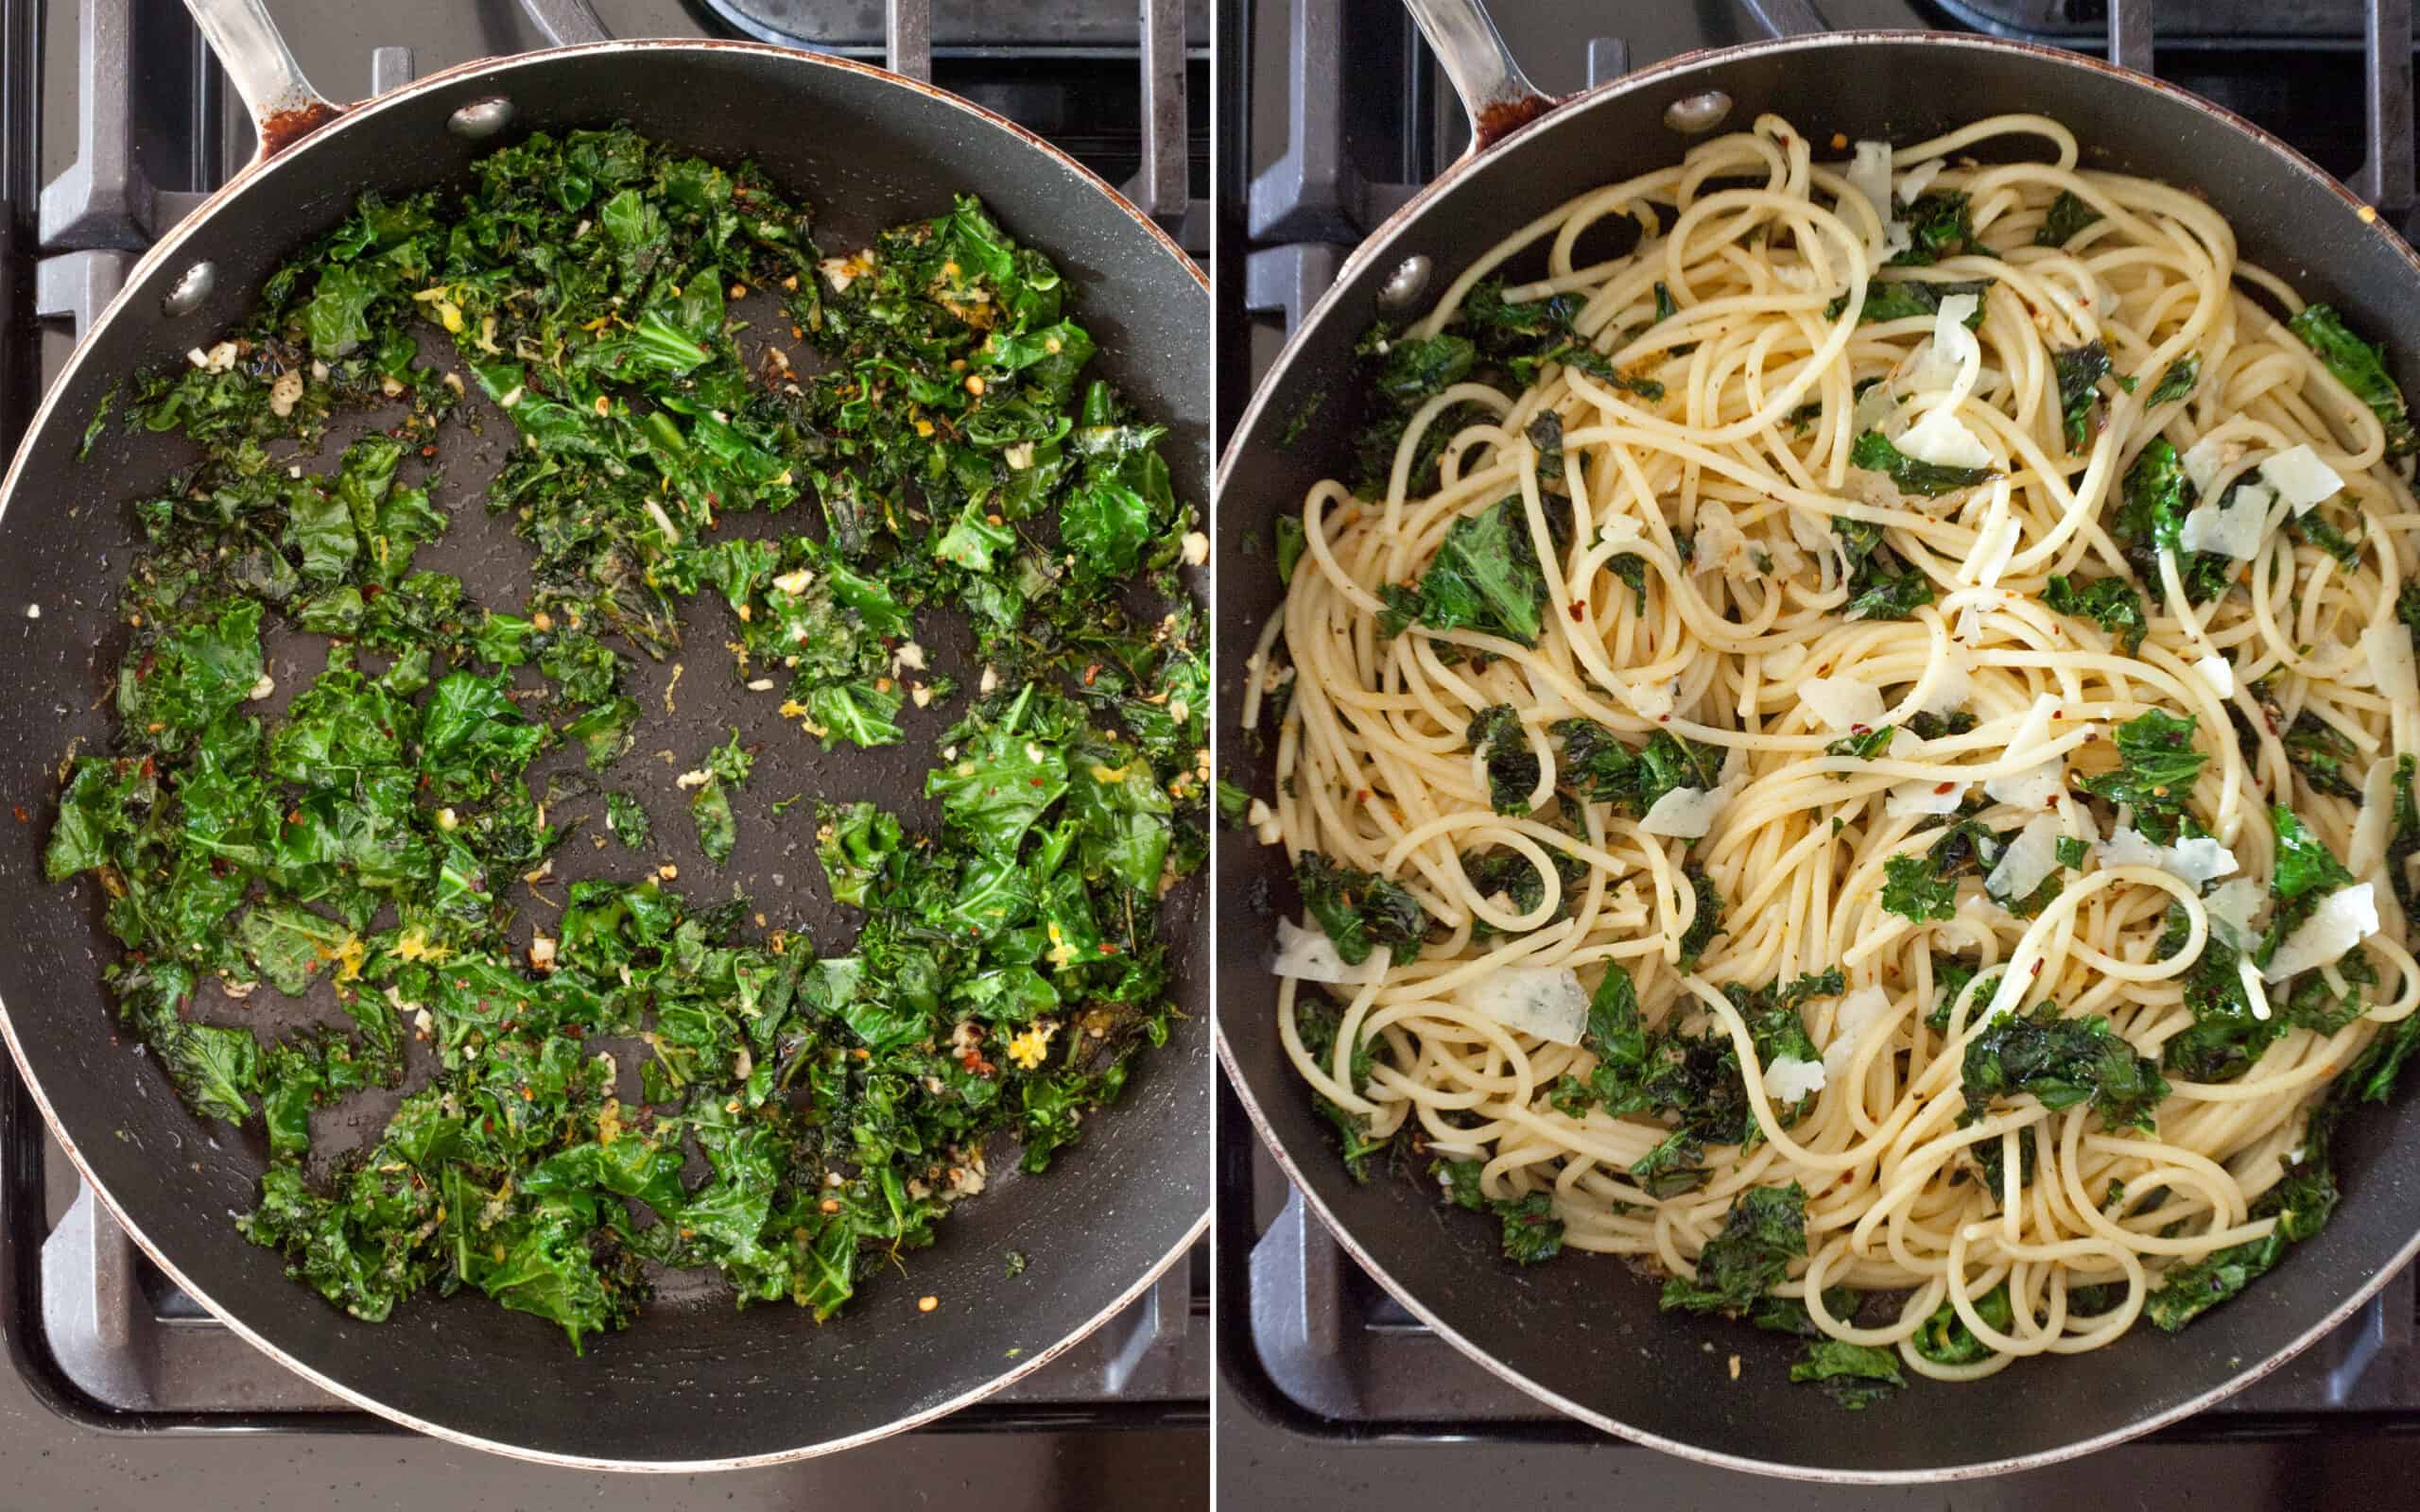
x=1584 y=1332
x=694 y=1380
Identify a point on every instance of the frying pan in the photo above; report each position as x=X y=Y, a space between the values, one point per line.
x=1582 y=1334
x=694 y=1384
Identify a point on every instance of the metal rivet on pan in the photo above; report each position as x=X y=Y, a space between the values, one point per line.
x=1403 y=284
x=1695 y=113
x=192 y=286
x=481 y=117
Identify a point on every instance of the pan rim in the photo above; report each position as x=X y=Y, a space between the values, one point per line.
x=1378 y=246
x=161 y=252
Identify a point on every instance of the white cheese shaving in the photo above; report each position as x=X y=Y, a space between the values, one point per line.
x=2218 y=673
x=1684 y=812
x=1994 y=545
x=1856 y=1011
x=2196 y=860
x=1720 y=544
x=1944 y=440
x=1897 y=238
x=2301 y=477
x=2367 y=846
x=2033 y=787
x=1876 y=410
x=1917 y=180
x=1309 y=955
x=1842 y=703
x=1869 y=174
x=2028 y=860
x=1924 y=797
x=2206 y=458
x=1788 y=1079
x=2234 y=531
x=2388 y=646
x=2230 y=907
x=1951 y=685
x=1652 y=700
x=2343 y=920
x=1545 y=1000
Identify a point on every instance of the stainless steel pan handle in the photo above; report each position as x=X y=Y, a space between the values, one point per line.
x=1497 y=94
x=285 y=108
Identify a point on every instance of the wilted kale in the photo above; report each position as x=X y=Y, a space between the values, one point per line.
x=2156 y=767
x=1854 y=1375
x=2155 y=500
x=1496 y=732
x=1764 y=1232
x=2070 y=213
x=1359 y=910
x=2301 y=1202
x=1597 y=767
x=1532 y=1232
x=1945 y=1339
x=2063 y=1062
x=2361 y=367
x=2176 y=382
x=2319 y=750
x=1912 y=889
x=790 y=1115
x=1880 y=586
x=1485 y=578
x=1909 y=299
x=1874 y=452
x=1316 y=1024
x=1940 y=224
x=2080 y=370
x=2111 y=602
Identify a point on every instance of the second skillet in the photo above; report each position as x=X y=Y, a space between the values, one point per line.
x=1583 y=1333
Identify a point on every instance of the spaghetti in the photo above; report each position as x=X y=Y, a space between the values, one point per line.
x=1804 y=717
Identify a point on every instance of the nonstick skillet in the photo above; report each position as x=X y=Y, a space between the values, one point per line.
x=696 y=1383
x=1583 y=1333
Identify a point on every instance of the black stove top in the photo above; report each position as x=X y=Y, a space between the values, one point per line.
x=134 y=127
x=1346 y=117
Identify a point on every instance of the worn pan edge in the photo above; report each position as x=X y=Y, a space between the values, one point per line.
x=1376 y=247
x=163 y=251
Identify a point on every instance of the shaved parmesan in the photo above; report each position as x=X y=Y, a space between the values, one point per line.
x=1924 y=797
x=2028 y=861
x=1897 y=238
x=2299 y=474
x=1842 y=703
x=2032 y=786
x=1309 y=955
x=2235 y=530
x=1942 y=440
x=2196 y=860
x=1809 y=529
x=1720 y=545
x=1545 y=1000
x=2367 y=847
x=2343 y=920
x=1943 y=360
x=1951 y=686
x=1874 y=410
x=1917 y=180
x=1684 y=812
x=1993 y=546
x=2206 y=458
x=1788 y=1079
x=2388 y=645
x=2218 y=673
x=1856 y=1011
x=1652 y=700
x=2231 y=906
x=1869 y=175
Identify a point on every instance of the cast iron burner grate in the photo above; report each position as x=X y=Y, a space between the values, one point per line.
x=96 y=1329
x=1321 y=1348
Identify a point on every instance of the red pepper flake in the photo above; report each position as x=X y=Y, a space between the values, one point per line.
x=2038 y=969
x=1943 y=787
x=1577 y=609
x=19 y=810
